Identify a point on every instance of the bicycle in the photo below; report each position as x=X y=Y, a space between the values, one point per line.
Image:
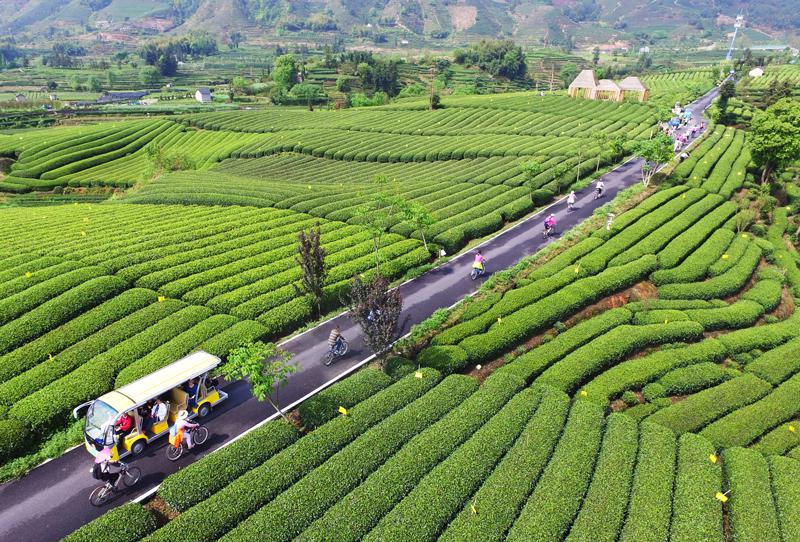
x=598 y=193
x=129 y=476
x=547 y=231
x=338 y=350
x=199 y=436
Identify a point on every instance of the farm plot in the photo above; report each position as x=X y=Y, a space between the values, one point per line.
x=113 y=154
x=94 y=296
x=462 y=210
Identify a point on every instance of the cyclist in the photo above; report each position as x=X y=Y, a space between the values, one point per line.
x=104 y=468
x=549 y=224
x=181 y=425
x=571 y=201
x=480 y=262
x=335 y=339
x=598 y=189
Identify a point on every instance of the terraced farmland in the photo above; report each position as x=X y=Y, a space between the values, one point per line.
x=98 y=295
x=635 y=383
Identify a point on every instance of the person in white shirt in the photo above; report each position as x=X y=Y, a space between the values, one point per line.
x=598 y=188
x=571 y=200
x=158 y=413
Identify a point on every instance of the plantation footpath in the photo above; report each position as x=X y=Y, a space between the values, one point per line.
x=37 y=505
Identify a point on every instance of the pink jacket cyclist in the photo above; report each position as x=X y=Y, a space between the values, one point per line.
x=479 y=260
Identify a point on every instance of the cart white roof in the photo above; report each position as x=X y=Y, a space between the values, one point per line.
x=161 y=381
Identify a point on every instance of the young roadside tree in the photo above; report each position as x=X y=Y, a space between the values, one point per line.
x=311 y=258
x=653 y=152
x=601 y=138
x=376 y=309
x=265 y=366
x=616 y=146
x=775 y=137
x=559 y=173
x=418 y=216
x=531 y=169
x=380 y=213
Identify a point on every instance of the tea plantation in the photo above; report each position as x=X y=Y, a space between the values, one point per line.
x=636 y=382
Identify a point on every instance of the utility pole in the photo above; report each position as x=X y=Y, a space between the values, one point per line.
x=736 y=26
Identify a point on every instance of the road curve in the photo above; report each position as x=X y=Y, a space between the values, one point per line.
x=53 y=499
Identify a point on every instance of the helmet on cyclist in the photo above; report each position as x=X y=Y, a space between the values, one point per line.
x=182 y=415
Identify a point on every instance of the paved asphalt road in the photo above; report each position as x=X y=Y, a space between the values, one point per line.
x=53 y=499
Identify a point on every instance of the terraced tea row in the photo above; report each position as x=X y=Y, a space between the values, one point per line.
x=114 y=154
x=463 y=211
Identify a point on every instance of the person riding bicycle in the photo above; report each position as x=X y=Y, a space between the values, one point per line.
x=599 y=187
x=105 y=468
x=335 y=339
x=181 y=425
x=480 y=261
x=571 y=200
x=549 y=224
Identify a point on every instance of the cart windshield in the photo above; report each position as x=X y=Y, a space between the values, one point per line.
x=98 y=418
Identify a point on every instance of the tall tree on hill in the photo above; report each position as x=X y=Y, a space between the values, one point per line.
x=311 y=258
x=284 y=74
x=376 y=309
x=775 y=137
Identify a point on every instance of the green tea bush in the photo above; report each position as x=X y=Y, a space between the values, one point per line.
x=722 y=285
x=686 y=380
x=128 y=523
x=426 y=510
x=743 y=426
x=751 y=508
x=786 y=493
x=589 y=360
x=650 y=507
x=638 y=372
x=324 y=406
x=698 y=410
x=201 y=479
x=551 y=508
x=696 y=514
x=307 y=499
x=604 y=506
x=506 y=489
x=212 y=518
x=358 y=513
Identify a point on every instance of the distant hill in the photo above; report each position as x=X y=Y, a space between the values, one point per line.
x=583 y=23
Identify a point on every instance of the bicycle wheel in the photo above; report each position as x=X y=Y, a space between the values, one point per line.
x=131 y=476
x=174 y=452
x=342 y=349
x=200 y=435
x=100 y=496
x=327 y=359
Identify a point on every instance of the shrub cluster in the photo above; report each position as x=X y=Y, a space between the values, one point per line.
x=359 y=512
x=700 y=409
x=203 y=478
x=650 y=507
